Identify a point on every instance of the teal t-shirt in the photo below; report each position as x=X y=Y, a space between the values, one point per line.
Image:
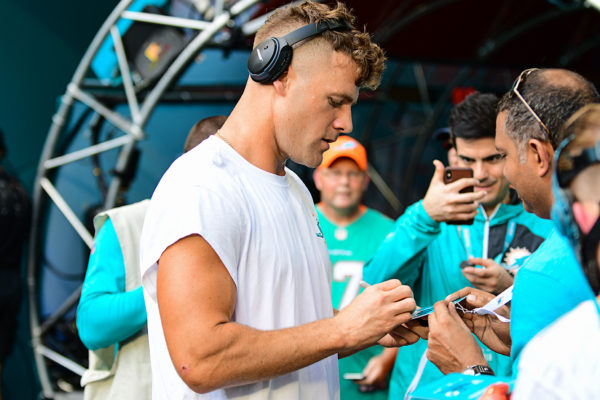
x=349 y=247
x=550 y=284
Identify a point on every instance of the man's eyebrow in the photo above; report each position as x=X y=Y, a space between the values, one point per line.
x=346 y=98
x=491 y=157
x=466 y=158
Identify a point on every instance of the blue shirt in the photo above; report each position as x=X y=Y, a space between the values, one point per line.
x=550 y=284
x=107 y=314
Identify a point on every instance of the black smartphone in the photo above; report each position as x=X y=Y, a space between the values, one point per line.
x=452 y=174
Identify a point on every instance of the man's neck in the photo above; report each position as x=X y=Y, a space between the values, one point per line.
x=252 y=136
x=342 y=218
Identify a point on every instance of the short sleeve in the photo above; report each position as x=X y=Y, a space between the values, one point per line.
x=192 y=210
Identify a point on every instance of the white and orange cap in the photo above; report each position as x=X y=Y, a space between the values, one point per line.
x=345 y=147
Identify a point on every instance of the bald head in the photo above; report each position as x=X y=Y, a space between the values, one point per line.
x=564 y=78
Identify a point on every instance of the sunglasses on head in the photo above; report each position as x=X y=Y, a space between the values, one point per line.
x=515 y=90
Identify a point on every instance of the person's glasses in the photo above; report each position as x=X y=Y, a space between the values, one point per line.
x=515 y=89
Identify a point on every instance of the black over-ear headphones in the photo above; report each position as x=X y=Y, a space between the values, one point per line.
x=272 y=57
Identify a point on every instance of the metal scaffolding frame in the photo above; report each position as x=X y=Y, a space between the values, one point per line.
x=132 y=127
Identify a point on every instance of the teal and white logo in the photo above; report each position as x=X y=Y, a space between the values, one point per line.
x=347 y=146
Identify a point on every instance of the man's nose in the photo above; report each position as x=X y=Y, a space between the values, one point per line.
x=480 y=171
x=343 y=120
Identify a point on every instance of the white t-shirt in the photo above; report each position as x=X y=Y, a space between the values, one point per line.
x=563 y=361
x=265 y=230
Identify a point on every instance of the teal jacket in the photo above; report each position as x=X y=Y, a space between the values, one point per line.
x=426 y=255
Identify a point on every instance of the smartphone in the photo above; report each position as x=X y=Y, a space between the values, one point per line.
x=452 y=174
x=354 y=376
x=423 y=312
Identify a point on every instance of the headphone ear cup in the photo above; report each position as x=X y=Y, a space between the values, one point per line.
x=269 y=60
x=262 y=57
x=281 y=65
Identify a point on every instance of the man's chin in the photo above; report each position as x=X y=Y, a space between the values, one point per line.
x=529 y=208
x=490 y=200
x=544 y=214
x=313 y=162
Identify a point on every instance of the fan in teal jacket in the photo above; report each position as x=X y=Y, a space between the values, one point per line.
x=426 y=254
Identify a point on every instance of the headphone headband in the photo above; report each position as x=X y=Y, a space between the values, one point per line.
x=272 y=57
x=314 y=29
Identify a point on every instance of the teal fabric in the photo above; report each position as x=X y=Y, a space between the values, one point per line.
x=550 y=284
x=426 y=255
x=359 y=242
x=106 y=313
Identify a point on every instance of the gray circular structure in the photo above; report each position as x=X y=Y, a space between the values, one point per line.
x=142 y=96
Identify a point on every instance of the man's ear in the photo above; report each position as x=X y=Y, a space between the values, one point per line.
x=541 y=154
x=281 y=84
x=366 y=182
x=317 y=179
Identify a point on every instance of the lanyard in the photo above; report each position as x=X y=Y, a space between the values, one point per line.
x=464 y=234
x=494 y=304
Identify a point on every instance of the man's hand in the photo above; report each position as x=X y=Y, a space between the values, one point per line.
x=451 y=347
x=489 y=329
x=377 y=371
x=403 y=336
x=492 y=277
x=444 y=202
x=378 y=312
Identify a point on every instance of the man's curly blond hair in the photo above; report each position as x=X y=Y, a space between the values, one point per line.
x=368 y=56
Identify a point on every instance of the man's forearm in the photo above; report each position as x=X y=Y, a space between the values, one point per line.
x=236 y=354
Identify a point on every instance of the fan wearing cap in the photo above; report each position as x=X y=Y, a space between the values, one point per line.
x=352 y=232
x=561 y=362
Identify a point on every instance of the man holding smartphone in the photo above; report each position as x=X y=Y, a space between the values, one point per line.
x=428 y=246
x=550 y=284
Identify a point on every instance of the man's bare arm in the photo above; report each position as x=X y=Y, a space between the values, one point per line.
x=196 y=298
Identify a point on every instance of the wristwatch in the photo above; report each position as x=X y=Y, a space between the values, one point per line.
x=478 y=370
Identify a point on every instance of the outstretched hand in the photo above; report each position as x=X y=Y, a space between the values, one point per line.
x=377 y=314
x=377 y=370
x=489 y=329
x=405 y=334
x=492 y=278
x=444 y=202
x=451 y=346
